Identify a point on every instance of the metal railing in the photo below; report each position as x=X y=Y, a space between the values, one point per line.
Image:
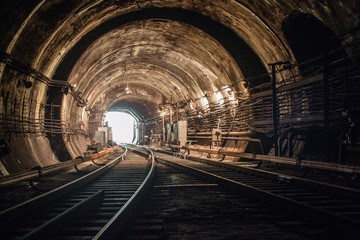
x=53 y=194
x=42 y=171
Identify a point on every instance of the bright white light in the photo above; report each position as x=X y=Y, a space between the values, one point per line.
x=230 y=94
x=122 y=126
x=205 y=102
x=231 y=97
x=191 y=105
x=219 y=97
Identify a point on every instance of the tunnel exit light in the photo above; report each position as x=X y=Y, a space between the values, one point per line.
x=122 y=126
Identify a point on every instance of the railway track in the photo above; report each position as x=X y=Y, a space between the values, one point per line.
x=211 y=202
x=37 y=171
x=184 y=206
x=22 y=191
x=335 y=207
x=87 y=208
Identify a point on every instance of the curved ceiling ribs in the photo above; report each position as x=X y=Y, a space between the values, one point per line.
x=197 y=65
x=145 y=55
x=154 y=54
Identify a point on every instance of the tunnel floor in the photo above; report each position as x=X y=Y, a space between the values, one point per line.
x=212 y=213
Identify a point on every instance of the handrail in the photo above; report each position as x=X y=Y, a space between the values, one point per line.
x=120 y=217
x=48 y=196
x=329 y=166
x=34 y=173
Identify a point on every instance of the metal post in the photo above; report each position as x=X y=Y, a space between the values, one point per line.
x=171 y=115
x=326 y=107
x=163 y=127
x=177 y=113
x=275 y=104
x=51 y=117
x=274 y=107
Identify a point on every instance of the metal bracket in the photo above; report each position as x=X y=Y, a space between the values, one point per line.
x=75 y=166
x=259 y=162
x=79 y=171
x=98 y=164
x=32 y=185
x=39 y=170
x=223 y=155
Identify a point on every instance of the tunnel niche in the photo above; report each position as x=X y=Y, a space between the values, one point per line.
x=309 y=39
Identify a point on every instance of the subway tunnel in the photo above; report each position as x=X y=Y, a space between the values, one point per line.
x=271 y=78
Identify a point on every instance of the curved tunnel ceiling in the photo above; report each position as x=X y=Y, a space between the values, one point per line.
x=155 y=55
x=144 y=54
x=251 y=52
x=132 y=48
x=179 y=60
x=142 y=108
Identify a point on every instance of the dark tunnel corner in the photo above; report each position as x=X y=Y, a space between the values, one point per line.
x=52 y=112
x=309 y=38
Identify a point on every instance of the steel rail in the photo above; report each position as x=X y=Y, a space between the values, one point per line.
x=111 y=228
x=46 y=228
x=349 y=192
x=339 y=222
x=284 y=160
x=40 y=200
x=42 y=171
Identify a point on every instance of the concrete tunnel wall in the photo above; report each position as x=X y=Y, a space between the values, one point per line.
x=178 y=56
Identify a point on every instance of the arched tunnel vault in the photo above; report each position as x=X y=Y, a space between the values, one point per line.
x=141 y=107
x=164 y=52
x=144 y=55
x=212 y=18
x=156 y=59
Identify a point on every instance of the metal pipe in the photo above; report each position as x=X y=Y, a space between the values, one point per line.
x=284 y=160
x=244 y=133
x=30 y=174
